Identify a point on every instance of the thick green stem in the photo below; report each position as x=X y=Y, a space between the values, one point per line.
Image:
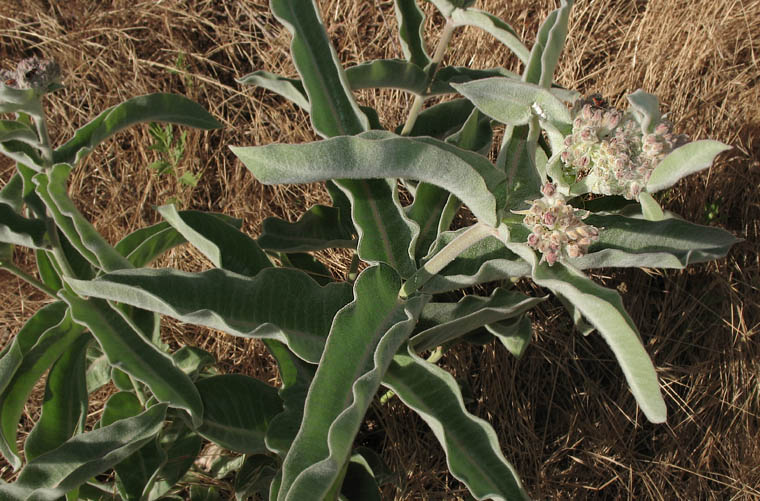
x=419 y=99
x=12 y=268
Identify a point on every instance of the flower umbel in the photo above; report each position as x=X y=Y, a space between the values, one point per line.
x=557 y=228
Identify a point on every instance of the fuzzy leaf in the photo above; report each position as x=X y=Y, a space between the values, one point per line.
x=411 y=24
x=12 y=130
x=546 y=51
x=514 y=334
x=387 y=73
x=685 y=160
x=289 y=88
x=321 y=227
x=447 y=76
x=493 y=25
x=650 y=208
x=18 y=230
x=647 y=109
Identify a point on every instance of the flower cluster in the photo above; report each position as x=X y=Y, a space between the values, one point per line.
x=609 y=150
x=32 y=73
x=557 y=228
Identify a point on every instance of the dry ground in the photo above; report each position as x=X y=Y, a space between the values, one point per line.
x=563 y=413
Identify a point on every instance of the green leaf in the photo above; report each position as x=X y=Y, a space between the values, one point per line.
x=310 y=264
x=321 y=227
x=182 y=447
x=149 y=108
x=447 y=76
x=379 y=155
x=22 y=153
x=470 y=443
x=646 y=107
x=512 y=102
x=254 y=477
x=299 y=315
x=362 y=341
x=603 y=308
x=47 y=270
x=359 y=484
x=142 y=246
x=192 y=360
x=334 y=110
x=518 y=158
x=493 y=25
x=411 y=25
x=289 y=88
x=682 y=161
x=237 y=411
x=12 y=130
x=670 y=243
x=223 y=244
x=204 y=493
x=442 y=120
x=78 y=230
x=36 y=346
x=546 y=51
x=52 y=475
x=650 y=208
x=387 y=73
x=12 y=193
x=514 y=334
x=130 y=351
x=29 y=195
x=64 y=408
x=445 y=322
x=18 y=230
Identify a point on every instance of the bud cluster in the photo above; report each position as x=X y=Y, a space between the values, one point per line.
x=609 y=150
x=557 y=228
x=32 y=73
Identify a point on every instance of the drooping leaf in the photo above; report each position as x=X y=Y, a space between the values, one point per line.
x=411 y=23
x=363 y=339
x=493 y=25
x=387 y=73
x=334 y=110
x=298 y=315
x=321 y=227
x=18 y=230
x=514 y=334
x=289 y=88
x=149 y=108
x=546 y=51
x=445 y=322
x=685 y=160
x=470 y=443
x=447 y=76
x=237 y=411
x=128 y=350
x=64 y=408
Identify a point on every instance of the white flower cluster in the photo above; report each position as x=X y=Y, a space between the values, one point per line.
x=557 y=228
x=609 y=150
x=32 y=73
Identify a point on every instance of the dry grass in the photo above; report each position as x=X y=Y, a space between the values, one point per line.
x=563 y=413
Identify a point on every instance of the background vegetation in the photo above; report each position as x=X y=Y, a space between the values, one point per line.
x=563 y=413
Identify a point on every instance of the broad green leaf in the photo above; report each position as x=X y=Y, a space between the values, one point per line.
x=514 y=334
x=445 y=322
x=470 y=443
x=29 y=194
x=650 y=208
x=321 y=227
x=223 y=244
x=546 y=51
x=149 y=108
x=18 y=230
x=518 y=159
x=17 y=131
x=362 y=341
x=22 y=153
x=387 y=73
x=359 y=484
x=78 y=230
x=646 y=107
x=449 y=75
x=427 y=210
x=254 y=477
x=64 y=408
x=378 y=155
x=513 y=102
x=299 y=314
x=493 y=25
x=682 y=161
x=310 y=264
x=289 y=88
x=670 y=243
x=35 y=348
x=411 y=25
x=14 y=100
x=98 y=372
x=442 y=120
x=182 y=447
x=603 y=308
x=121 y=379
x=192 y=360
x=475 y=134
x=52 y=475
x=237 y=411
x=12 y=193
x=334 y=110
x=47 y=270
x=128 y=350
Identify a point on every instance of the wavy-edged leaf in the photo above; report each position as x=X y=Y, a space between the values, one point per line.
x=289 y=88
x=670 y=243
x=685 y=160
x=50 y=476
x=237 y=411
x=387 y=73
x=47 y=270
x=447 y=76
x=470 y=443
x=378 y=155
x=22 y=153
x=307 y=263
x=13 y=130
x=299 y=314
x=444 y=322
x=603 y=308
x=514 y=334
x=35 y=348
x=18 y=230
x=12 y=193
x=64 y=407
x=320 y=227
x=334 y=110
x=546 y=50
x=223 y=244
x=149 y=108
x=128 y=350
x=78 y=230
x=363 y=339
x=411 y=25
x=493 y=25
x=144 y=245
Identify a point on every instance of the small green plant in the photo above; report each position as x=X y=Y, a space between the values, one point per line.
x=570 y=190
x=171 y=150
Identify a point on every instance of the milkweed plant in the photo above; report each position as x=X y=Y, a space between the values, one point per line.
x=571 y=189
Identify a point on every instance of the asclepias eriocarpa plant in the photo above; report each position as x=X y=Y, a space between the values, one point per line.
x=571 y=189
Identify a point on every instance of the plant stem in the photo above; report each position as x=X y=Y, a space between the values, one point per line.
x=12 y=268
x=419 y=99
